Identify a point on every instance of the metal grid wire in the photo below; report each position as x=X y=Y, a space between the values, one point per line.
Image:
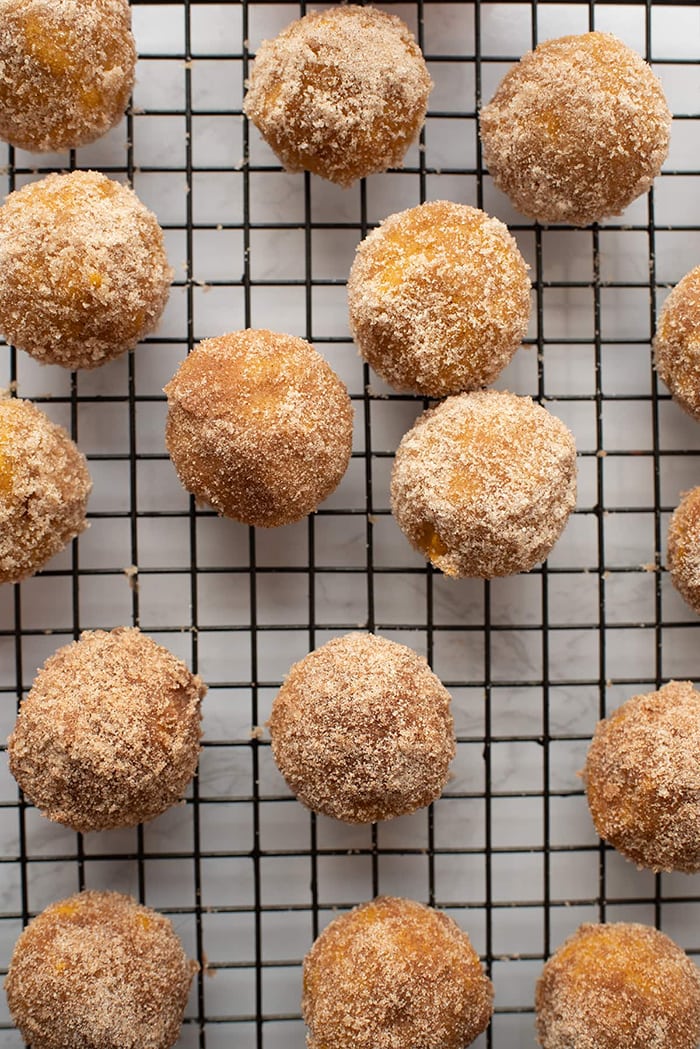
x=248 y=876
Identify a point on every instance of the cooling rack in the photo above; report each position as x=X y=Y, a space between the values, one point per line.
x=247 y=875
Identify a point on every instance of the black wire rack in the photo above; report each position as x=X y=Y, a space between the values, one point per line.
x=247 y=875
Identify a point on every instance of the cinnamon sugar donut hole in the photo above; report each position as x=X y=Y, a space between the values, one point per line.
x=439 y=299
x=341 y=93
x=642 y=779
x=683 y=558
x=99 y=971
x=618 y=986
x=44 y=488
x=483 y=485
x=577 y=130
x=83 y=270
x=109 y=733
x=393 y=973
x=677 y=343
x=259 y=426
x=66 y=71
x=385 y=699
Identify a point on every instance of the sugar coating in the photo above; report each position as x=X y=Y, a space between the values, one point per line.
x=341 y=93
x=677 y=343
x=483 y=484
x=108 y=735
x=66 y=71
x=44 y=488
x=83 y=270
x=99 y=971
x=259 y=426
x=391 y=974
x=439 y=298
x=618 y=986
x=642 y=778
x=361 y=730
x=683 y=558
x=577 y=130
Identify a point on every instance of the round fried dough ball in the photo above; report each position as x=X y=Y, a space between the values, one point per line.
x=677 y=343
x=439 y=298
x=642 y=779
x=577 y=130
x=683 y=559
x=99 y=971
x=391 y=974
x=259 y=426
x=44 y=488
x=109 y=733
x=83 y=270
x=483 y=485
x=66 y=71
x=341 y=93
x=618 y=986
x=361 y=730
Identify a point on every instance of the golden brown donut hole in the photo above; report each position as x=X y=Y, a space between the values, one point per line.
x=385 y=699
x=683 y=558
x=259 y=426
x=642 y=779
x=83 y=270
x=677 y=343
x=577 y=130
x=44 y=488
x=483 y=485
x=108 y=735
x=341 y=93
x=394 y=973
x=618 y=986
x=439 y=298
x=99 y=971
x=66 y=71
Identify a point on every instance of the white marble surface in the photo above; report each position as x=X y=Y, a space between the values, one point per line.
x=343 y=865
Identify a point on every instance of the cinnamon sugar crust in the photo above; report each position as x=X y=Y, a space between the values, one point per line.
x=341 y=93
x=677 y=343
x=683 y=558
x=362 y=731
x=259 y=426
x=83 y=270
x=642 y=779
x=391 y=974
x=108 y=735
x=618 y=986
x=99 y=971
x=483 y=485
x=66 y=71
x=577 y=130
x=439 y=298
x=44 y=488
